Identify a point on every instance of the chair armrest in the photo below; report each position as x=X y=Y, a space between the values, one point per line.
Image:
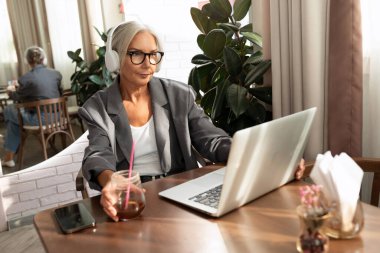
x=80 y=184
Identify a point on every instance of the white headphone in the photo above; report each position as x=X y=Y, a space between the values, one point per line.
x=111 y=56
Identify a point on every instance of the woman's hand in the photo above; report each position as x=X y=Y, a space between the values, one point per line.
x=108 y=200
x=300 y=169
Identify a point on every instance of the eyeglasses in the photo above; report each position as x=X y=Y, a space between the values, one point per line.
x=138 y=57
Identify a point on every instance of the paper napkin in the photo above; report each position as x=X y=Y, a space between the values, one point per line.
x=341 y=179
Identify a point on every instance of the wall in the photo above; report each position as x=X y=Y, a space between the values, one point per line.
x=45 y=185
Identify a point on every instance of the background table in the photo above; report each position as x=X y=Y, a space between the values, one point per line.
x=268 y=224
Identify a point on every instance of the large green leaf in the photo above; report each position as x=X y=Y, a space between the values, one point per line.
x=232 y=61
x=237 y=99
x=256 y=72
x=241 y=8
x=205 y=73
x=229 y=27
x=262 y=93
x=200 y=19
x=223 y=7
x=208 y=101
x=213 y=13
x=96 y=79
x=204 y=24
x=74 y=56
x=200 y=59
x=247 y=28
x=214 y=43
x=220 y=75
x=200 y=40
x=255 y=38
x=195 y=81
x=218 y=106
x=254 y=58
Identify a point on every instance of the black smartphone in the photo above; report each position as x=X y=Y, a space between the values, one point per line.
x=74 y=217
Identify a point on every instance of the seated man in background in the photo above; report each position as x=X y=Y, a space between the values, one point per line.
x=39 y=83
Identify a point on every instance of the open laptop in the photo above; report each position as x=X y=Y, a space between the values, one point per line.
x=262 y=158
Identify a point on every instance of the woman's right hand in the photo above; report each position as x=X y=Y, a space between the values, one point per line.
x=109 y=197
x=108 y=200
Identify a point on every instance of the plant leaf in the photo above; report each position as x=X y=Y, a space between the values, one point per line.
x=218 y=106
x=200 y=40
x=199 y=19
x=255 y=38
x=207 y=100
x=247 y=28
x=214 y=43
x=262 y=93
x=237 y=99
x=223 y=7
x=241 y=8
x=200 y=59
x=256 y=72
x=205 y=73
x=255 y=58
x=232 y=61
x=210 y=11
x=96 y=79
x=195 y=81
x=229 y=27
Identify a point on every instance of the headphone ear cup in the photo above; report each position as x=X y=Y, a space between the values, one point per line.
x=112 y=60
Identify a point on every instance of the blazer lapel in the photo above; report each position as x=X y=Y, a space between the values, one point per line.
x=161 y=115
x=119 y=117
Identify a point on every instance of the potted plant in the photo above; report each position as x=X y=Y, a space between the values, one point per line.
x=88 y=78
x=228 y=76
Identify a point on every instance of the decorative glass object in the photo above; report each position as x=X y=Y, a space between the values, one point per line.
x=334 y=227
x=312 y=239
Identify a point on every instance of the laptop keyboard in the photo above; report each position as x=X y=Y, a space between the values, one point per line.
x=209 y=197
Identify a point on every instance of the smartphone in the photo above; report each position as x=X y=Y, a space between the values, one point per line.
x=74 y=217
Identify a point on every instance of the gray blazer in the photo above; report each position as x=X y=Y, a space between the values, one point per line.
x=180 y=126
x=39 y=83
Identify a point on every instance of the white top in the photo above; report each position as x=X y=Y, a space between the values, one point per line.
x=146 y=160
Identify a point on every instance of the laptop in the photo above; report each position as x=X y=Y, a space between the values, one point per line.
x=262 y=158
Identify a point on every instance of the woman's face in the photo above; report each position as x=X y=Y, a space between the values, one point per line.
x=139 y=74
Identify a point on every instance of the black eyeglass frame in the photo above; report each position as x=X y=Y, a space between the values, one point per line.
x=131 y=53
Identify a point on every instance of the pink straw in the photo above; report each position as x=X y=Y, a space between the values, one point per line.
x=129 y=174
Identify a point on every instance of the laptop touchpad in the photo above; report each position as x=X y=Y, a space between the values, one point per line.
x=209 y=180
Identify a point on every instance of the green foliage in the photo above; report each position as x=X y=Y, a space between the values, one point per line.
x=88 y=77
x=228 y=76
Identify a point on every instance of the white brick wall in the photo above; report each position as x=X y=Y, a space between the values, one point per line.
x=43 y=186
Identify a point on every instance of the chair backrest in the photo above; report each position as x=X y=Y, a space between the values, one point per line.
x=371 y=165
x=52 y=114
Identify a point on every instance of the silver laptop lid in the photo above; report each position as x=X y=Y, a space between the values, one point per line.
x=263 y=158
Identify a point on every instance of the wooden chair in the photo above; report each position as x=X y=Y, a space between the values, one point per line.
x=371 y=165
x=73 y=109
x=53 y=119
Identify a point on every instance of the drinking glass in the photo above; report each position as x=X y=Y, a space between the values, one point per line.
x=131 y=197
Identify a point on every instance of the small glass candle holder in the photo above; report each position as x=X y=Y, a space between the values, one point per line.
x=334 y=227
x=312 y=239
x=131 y=197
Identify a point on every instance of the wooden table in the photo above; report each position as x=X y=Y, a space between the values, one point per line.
x=268 y=224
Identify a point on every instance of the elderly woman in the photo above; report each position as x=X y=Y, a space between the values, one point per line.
x=39 y=83
x=158 y=115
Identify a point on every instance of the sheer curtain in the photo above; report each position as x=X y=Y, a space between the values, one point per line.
x=298 y=35
x=371 y=80
x=8 y=57
x=63 y=37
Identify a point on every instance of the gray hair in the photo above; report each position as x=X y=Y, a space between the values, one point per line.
x=35 y=55
x=124 y=34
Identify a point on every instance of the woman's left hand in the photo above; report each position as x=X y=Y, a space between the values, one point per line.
x=300 y=169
